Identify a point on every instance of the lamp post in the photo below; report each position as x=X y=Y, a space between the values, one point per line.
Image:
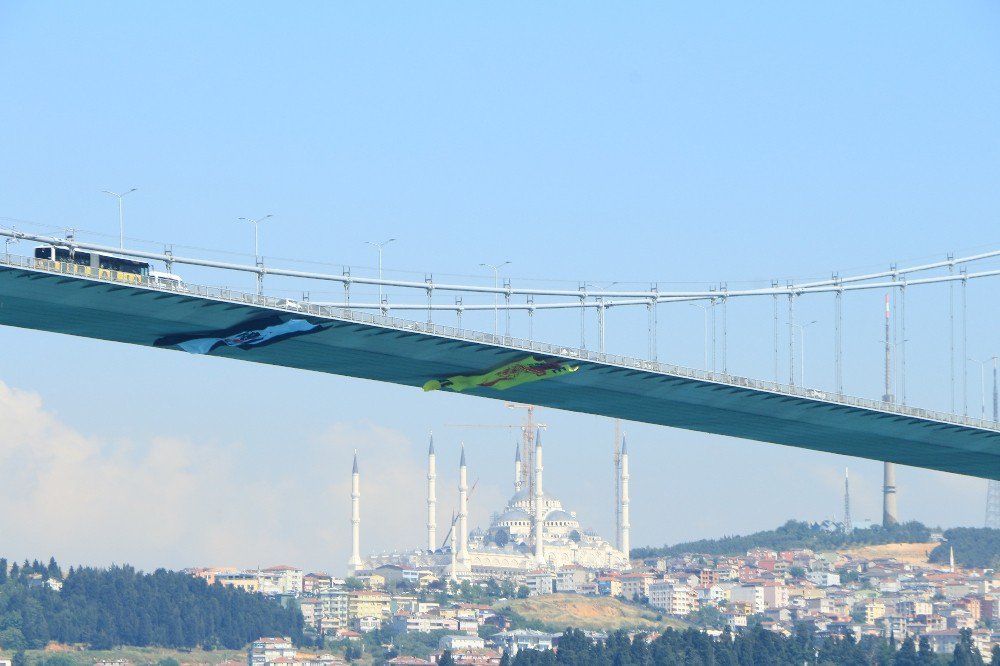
x=7 y=243
x=121 y=214
x=379 y=246
x=256 y=248
x=496 y=302
x=256 y=234
x=704 y=309
x=802 y=351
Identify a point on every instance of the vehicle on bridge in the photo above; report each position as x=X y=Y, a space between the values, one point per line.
x=168 y=280
x=91 y=264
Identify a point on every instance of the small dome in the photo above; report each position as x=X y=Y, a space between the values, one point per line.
x=559 y=516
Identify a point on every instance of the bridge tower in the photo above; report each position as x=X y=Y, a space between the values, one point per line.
x=889 y=515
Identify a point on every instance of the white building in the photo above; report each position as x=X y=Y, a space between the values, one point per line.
x=281 y=579
x=512 y=642
x=823 y=578
x=753 y=594
x=674 y=598
x=265 y=651
x=775 y=596
x=460 y=642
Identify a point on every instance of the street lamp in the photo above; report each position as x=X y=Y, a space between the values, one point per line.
x=256 y=249
x=379 y=247
x=982 y=386
x=704 y=309
x=496 y=302
x=256 y=234
x=121 y=214
x=802 y=351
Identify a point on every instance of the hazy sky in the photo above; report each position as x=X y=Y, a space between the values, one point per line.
x=685 y=144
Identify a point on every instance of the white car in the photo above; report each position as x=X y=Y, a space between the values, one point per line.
x=166 y=279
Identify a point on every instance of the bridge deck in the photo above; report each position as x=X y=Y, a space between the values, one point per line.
x=35 y=296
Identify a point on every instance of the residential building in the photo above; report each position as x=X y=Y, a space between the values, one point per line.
x=674 y=598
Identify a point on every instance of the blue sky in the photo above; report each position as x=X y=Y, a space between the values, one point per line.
x=678 y=144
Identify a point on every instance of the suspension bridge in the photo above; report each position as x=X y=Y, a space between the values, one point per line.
x=53 y=290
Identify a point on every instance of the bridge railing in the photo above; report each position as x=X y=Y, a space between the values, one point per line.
x=531 y=346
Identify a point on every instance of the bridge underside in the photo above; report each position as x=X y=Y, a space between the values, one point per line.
x=135 y=315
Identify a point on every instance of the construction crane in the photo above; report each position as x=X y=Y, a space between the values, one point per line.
x=528 y=428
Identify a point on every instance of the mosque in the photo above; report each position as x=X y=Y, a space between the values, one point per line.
x=533 y=531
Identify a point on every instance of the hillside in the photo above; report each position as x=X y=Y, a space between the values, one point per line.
x=103 y=608
x=62 y=655
x=976 y=547
x=915 y=554
x=557 y=611
x=794 y=534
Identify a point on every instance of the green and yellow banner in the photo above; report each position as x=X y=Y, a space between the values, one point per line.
x=528 y=369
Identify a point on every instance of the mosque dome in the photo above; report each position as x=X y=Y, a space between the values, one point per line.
x=513 y=515
x=559 y=516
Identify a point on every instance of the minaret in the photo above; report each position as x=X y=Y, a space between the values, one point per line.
x=951 y=559
x=454 y=557
x=626 y=547
x=463 y=514
x=354 y=564
x=889 y=515
x=539 y=509
x=431 y=497
x=847 y=503
x=517 y=467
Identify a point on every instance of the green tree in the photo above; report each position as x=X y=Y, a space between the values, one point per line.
x=446 y=659
x=925 y=655
x=57 y=660
x=168 y=661
x=13 y=639
x=53 y=571
x=907 y=655
x=965 y=653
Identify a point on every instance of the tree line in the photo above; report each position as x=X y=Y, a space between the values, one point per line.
x=753 y=647
x=975 y=547
x=795 y=534
x=104 y=608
